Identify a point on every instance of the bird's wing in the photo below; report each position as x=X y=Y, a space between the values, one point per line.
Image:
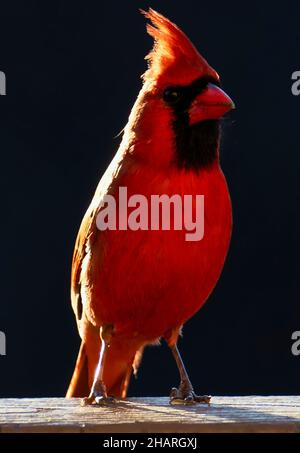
x=88 y=230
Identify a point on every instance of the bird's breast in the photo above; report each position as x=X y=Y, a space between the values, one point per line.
x=147 y=281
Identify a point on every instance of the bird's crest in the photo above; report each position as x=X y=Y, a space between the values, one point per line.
x=173 y=55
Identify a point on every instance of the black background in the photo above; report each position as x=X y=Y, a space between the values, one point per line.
x=73 y=72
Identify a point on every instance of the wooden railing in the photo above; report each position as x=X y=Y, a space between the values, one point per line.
x=152 y=415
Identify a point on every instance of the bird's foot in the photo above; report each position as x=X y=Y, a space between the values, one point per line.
x=99 y=400
x=98 y=396
x=185 y=395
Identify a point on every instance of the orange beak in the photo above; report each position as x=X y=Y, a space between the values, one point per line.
x=211 y=104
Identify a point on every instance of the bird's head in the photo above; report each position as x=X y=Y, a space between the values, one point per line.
x=177 y=114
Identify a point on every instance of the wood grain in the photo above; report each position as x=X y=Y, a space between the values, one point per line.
x=149 y=415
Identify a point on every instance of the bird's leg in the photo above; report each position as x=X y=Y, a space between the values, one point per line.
x=184 y=394
x=98 y=392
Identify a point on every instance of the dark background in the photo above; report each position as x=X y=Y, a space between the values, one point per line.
x=73 y=72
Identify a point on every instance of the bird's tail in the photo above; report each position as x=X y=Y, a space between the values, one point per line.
x=120 y=360
x=79 y=385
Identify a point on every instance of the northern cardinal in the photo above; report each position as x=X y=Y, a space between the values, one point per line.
x=131 y=288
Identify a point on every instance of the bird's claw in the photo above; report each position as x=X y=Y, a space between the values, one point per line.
x=187 y=397
x=99 y=400
x=98 y=396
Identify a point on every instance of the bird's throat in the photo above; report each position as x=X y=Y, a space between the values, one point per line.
x=197 y=145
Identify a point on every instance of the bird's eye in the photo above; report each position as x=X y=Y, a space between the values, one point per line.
x=172 y=95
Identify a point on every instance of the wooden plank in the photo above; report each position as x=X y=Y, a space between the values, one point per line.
x=150 y=415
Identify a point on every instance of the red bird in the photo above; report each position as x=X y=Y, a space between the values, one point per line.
x=131 y=288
